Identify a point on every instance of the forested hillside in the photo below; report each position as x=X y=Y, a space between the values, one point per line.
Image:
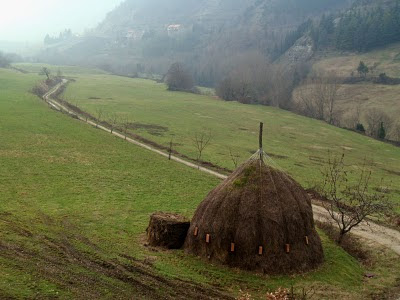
x=206 y=35
x=367 y=25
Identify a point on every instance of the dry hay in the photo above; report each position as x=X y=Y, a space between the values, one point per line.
x=257 y=206
x=167 y=230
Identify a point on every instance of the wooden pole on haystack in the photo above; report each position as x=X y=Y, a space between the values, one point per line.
x=261 y=141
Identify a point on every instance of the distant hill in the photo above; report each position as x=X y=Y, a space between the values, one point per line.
x=147 y=36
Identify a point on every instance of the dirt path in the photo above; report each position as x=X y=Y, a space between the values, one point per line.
x=373 y=232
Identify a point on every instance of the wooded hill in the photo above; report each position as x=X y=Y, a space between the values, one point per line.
x=210 y=34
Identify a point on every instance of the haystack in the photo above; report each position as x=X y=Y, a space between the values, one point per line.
x=257 y=219
x=167 y=230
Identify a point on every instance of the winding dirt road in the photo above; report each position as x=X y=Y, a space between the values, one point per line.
x=373 y=232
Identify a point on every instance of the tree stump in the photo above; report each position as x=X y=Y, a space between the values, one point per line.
x=167 y=230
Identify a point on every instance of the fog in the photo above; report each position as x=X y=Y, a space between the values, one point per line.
x=31 y=20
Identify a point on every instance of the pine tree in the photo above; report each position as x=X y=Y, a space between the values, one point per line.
x=382 y=132
x=362 y=69
x=360 y=128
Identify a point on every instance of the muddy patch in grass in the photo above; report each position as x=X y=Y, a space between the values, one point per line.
x=392 y=172
x=277 y=156
x=152 y=129
x=316 y=159
x=61 y=255
x=94 y=98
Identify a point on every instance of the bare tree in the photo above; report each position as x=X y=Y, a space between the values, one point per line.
x=234 y=157
x=307 y=104
x=318 y=98
x=201 y=141
x=99 y=115
x=348 y=205
x=113 y=121
x=45 y=71
x=354 y=118
x=126 y=123
x=329 y=90
x=396 y=132
x=374 y=118
x=4 y=61
x=170 y=149
x=179 y=78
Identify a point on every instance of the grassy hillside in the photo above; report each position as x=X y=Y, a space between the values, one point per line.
x=367 y=95
x=386 y=60
x=298 y=144
x=74 y=207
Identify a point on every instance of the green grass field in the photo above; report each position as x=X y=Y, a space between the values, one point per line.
x=299 y=145
x=75 y=203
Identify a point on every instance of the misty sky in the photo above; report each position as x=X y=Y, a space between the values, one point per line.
x=30 y=20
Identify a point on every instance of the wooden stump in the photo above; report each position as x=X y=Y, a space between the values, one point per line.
x=167 y=230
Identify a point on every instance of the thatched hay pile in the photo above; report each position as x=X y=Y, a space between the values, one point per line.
x=167 y=230
x=257 y=219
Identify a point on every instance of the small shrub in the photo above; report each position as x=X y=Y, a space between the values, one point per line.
x=349 y=244
x=179 y=78
x=382 y=132
x=360 y=128
x=40 y=89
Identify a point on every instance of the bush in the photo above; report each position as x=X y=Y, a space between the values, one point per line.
x=40 y=89
x=179 y=78
x=360 y=128
x=382 y=132
x=4 y=61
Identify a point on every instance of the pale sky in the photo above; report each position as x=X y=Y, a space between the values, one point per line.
x=30 y=20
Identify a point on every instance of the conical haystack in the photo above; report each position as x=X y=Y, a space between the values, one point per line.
x=257 y=219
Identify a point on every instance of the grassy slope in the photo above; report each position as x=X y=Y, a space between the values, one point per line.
x=298 y=144
x=383 y=97
x=386 y=59
x=64 y=183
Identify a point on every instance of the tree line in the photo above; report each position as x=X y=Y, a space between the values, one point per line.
x=363 y=31
x=355 y=30
x=62 y=36
x=4 y=61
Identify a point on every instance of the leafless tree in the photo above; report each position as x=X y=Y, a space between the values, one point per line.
x=350 y=204
x=329 y=90
x=354 y=117
x=234 y=157
x=318 y=97
x=126 y=123
x=170 y=149
x=396 y=132
x=307 y=104
x=99 y=115
x=179 y=78
x=201 y=141
x=45 y=71
x=374 y=118
x=113 y=121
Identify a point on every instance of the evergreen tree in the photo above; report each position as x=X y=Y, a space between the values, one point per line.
x=360 y=128
x=363 y=69
x=382 y=132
